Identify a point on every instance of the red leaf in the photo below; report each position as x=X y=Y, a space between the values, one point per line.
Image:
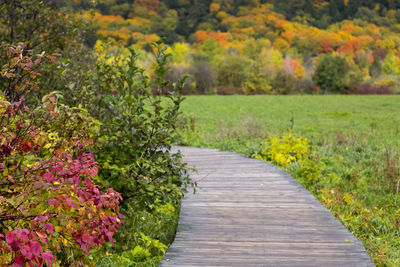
x=49 y=227
x=93 y=171
x=88 y=182
x=11 y=239
x=19 y=261
x=77 y=180
x=36 y=248
x=36 y=262
x=27 y=252
x=17 y=104
x=49 y=177
x=85 y=238
x=71 y=203
x=43 y=218
x=48 y=257
x=54 y=202
x=42 y=236
x=10 y=111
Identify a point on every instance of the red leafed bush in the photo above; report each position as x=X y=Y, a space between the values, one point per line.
x=370 y=89
x=20 y=73
x=50 y=208
x=223 y=90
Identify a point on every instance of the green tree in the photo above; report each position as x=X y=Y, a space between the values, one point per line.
x=391 y=65
x=231 y=70
x=211 y=48
x=376 y=67
x=331 y=73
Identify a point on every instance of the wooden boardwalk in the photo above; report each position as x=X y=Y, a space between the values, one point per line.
x=250 y=213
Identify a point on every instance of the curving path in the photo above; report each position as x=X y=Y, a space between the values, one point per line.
x=250 y=213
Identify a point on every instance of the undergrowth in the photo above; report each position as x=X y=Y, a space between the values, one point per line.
x=152 y=231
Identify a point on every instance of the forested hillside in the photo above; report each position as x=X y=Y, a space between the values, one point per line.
x=318 y=13
x=274 y=47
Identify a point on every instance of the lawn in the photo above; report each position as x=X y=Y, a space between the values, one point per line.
x=357 y=144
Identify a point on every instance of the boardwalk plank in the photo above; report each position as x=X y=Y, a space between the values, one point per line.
x=250 y=213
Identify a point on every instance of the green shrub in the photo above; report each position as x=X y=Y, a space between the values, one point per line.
x=134 y=151
x=137 y=130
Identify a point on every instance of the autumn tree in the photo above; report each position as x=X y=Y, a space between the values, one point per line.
x=153 y=5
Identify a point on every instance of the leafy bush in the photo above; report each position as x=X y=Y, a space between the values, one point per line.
x=283 y=150
x=19 y=70
x=50 y=208
x=391 y=82
x=37 y=26
x=137 y=130
x=224 y=90
x=68 y=215
x=293 y=154
x=306 y=86
x=370 y=89
x=285 y=83
x=308 y=172
x=133 y=148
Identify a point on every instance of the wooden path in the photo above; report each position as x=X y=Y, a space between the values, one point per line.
x=250 y=213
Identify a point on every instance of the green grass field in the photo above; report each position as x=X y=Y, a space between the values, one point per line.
x=356 y=139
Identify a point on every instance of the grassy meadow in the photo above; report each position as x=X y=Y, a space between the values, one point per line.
x=356 y=140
